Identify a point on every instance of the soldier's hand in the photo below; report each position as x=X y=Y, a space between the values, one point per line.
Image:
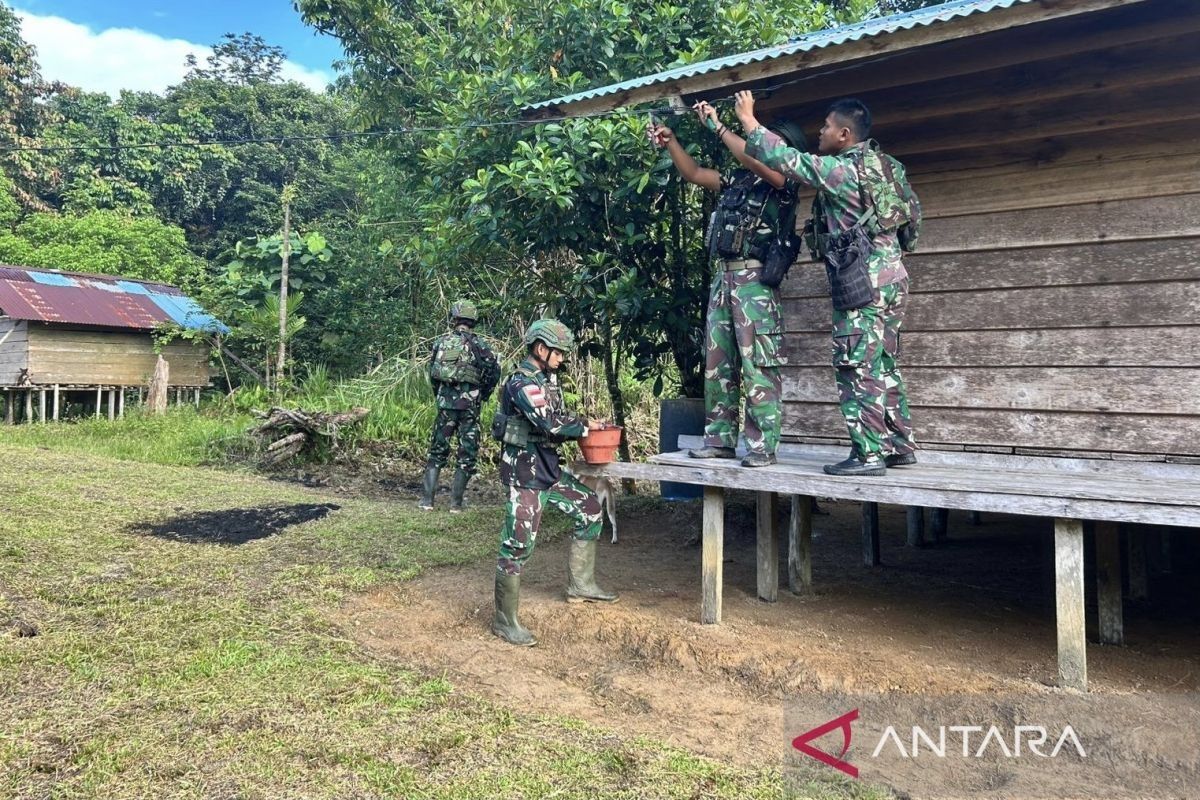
x=743 y=104
x=596 y=425
x=659 y=135
x=707 y=114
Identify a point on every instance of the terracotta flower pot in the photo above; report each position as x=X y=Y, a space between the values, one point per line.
x=600 y=445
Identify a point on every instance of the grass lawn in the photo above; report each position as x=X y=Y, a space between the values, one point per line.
x=164 y=668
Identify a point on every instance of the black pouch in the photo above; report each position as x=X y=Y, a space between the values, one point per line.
x=778 y=260
x=499 y=423
x=846 y=265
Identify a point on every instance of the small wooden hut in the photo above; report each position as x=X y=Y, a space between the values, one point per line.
x=87 y=340
x=1052 y=342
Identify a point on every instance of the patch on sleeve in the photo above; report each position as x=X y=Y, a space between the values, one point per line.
x=534 y=394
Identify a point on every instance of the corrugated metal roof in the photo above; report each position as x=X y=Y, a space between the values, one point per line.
x=814 y=41
x=102 y=300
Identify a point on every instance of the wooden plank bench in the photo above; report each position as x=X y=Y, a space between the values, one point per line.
x=1069 y=490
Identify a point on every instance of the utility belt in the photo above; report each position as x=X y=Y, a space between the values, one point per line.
x=732 y=264
x=515 y=430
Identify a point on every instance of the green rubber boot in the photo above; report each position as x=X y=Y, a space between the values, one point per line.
x=457 y=489
x=429 y=488
x=581 y=569
x=505 y=624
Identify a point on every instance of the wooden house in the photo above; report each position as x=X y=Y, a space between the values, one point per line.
x=1052 y=341
x=73 y=338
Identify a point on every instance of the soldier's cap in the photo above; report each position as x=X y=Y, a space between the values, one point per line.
x=464 y=309
x=791 y=132
x=552 y=333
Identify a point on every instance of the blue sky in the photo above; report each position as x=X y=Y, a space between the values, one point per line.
x=107 y=45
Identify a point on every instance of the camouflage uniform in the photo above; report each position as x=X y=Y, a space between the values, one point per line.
x=866 y=341
x=533 y=473
x=744 y=342
x=458 y=407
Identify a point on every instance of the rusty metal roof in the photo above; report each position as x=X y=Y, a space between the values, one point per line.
x=107 y=301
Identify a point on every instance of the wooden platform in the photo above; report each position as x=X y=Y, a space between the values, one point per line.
x=1070 y=490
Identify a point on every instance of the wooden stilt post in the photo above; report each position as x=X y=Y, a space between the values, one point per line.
x=916 y=526
x=768 y=546
x=713 y=556
x=197 y=398
x=870 y=534
x=99 y=401
x=1072 y=628
x=57 y=402
x=41 y=405
x=1164 y=545
x=939 y=522
x=121 y=402
x=1135 y=557
x=1108 y=583
x=139 y=396
x=112 y=404
x=800 y=545
x=976 y=518
x=28 y=406
x=9 y=417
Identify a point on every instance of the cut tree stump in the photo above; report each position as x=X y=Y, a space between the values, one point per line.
x=294 y=430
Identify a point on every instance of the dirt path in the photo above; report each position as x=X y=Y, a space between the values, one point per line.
x=960 y=634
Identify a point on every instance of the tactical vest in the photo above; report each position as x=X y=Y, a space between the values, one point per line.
x=510 y=426
x=454 y=361
x=742 y=227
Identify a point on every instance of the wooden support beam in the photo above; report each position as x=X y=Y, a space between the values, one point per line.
x=870 y=534
x=713 y=556
x=28 y=406
x=939 y=523
x=1108 y=583
x=800 y=545
x=9 y=417
x=197 y=400
x=768 y=546
x=916 y=526
x=1164 y=549
x=121 y=402
x=41 y=405
x=1071 y=623
x=139 y=396
x=976 y=518
x=1135 y=558
x=99 y=401
x=57 y=402
x=112 y=404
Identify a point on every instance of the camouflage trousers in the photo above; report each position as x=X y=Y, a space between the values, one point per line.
x=866 y=349
x=523 y=517
x=743 y=344
x=450 y=421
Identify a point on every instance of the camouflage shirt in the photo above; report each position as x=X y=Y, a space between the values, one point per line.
x=460 y=396
x=536 y=396
x=836 y=180
x=776 y=205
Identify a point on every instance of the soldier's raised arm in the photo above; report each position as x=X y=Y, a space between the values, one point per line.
x=737 y=146
x=816 y=171
x=689 y=170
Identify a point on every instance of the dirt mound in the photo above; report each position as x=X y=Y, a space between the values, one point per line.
x=962 y=633
x=235 y=526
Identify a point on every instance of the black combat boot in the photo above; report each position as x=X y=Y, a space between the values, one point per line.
x=457 y=489
x=854 y=466
x=508 y=599
x=758 y=460
x=429 y=488
x=900 y=459
x=713 y=452
x=581 y=571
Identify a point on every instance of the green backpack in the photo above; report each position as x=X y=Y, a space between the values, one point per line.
x=891 y=204
x=454 y=362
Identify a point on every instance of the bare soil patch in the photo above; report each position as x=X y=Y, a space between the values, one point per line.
x=961 y=633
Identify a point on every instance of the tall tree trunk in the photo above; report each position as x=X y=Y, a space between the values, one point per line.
x=612 y=363
x=283 y=286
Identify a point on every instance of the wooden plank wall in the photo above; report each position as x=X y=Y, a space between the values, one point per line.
x=110 y=358
x=14 y=350
x=1055 y=298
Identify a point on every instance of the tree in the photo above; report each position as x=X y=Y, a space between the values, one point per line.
x=240 y=59
x=23 y=113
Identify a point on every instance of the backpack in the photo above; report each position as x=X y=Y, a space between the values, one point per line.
x=891 y=204
x=454 y=361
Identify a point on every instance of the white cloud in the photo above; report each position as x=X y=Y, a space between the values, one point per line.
x=123 y=58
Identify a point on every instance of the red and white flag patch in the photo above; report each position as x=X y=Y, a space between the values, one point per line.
x=535 y=395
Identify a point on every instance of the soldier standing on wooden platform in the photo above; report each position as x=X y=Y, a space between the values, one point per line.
x=865 y=215
x=463 y=371
x=744 y=329
x=531 y=423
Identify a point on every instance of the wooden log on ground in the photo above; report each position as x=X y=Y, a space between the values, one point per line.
x=293 y=430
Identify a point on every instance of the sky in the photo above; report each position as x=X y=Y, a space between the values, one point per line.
x=109 y=45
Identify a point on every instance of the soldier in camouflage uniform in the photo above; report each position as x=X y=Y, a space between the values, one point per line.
x=743 y=331
x=866 y=340
x=532 y=422
x=463 y=371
